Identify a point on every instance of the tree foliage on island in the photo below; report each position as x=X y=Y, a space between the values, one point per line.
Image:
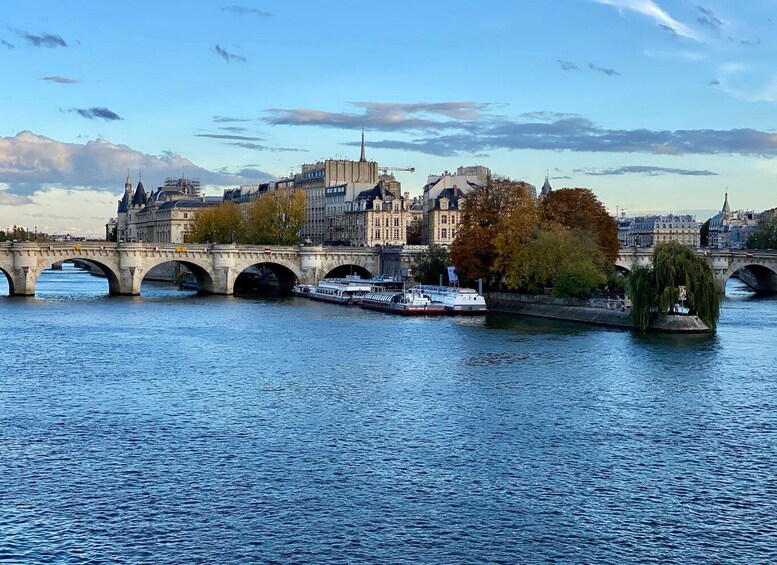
x=580 y=209
x=431 y=264
x=765 y=235
x=273 y=219
x=556 y=257
x=654 y=290
x=567 y=241
x=492 y=215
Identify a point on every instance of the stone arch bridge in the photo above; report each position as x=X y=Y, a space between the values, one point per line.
x=216 y=267
x=760 y=265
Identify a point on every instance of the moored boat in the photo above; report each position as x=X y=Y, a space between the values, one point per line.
x=338 y=292
x=302 y=290
x=409 y=302
x=456 y=300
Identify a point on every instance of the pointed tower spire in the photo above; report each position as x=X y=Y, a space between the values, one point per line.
x=726 y=208
x=546 y=188
x=362 y=159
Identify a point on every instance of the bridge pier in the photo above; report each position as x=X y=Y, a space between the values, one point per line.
x=25 y=268
x=224 y=272
x=131 y=270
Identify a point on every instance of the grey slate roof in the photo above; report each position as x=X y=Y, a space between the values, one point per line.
x=140 y=198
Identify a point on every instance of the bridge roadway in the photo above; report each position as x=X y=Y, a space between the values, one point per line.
x=216 y=267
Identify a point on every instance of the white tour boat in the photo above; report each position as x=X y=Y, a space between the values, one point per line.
x=339 y=292
x=456 y=300
x=412 y=301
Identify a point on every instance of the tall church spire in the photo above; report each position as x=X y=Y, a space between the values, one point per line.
x=546 y=188
x=362 y=159
x=726 y=208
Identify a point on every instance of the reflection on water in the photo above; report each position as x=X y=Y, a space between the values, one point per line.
x=172 y=427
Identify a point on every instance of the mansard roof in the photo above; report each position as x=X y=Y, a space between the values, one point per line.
x=452 y=196
x=370 y=195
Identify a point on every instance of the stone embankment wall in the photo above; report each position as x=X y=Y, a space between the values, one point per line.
x=603 y=312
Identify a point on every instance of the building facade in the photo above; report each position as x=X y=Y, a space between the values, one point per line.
x=731 y=229
x=164 y=215
x=647 y=231
x=377 y=216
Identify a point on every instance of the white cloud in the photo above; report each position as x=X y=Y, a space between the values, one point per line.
x=31 y=163
x=652 y=10
x=10 y=199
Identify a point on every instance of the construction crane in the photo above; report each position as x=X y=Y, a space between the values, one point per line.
x=385 y=170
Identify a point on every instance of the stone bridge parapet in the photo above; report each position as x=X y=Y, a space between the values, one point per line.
x=216 y=267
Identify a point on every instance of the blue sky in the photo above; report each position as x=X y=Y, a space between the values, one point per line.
x=656 y=105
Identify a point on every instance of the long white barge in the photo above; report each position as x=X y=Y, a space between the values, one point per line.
x=408 y=302
x=339 y=292
x=456 y=300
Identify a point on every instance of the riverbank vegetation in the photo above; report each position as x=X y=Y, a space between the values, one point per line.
x=565 y=243
x=273 y=219
x=655 y=290
x=765 y=235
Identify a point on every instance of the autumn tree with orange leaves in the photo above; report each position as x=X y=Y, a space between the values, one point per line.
x=501 y=212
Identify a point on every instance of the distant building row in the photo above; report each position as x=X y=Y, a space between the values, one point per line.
x=647 y=231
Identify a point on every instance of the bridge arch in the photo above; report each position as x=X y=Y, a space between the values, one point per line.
x=108 y=268
x=9 y=279
x=250 y=275
x=201 y=269
x=348 y=269
x=761 y=278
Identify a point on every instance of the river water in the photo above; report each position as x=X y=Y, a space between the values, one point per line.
x=173 y=428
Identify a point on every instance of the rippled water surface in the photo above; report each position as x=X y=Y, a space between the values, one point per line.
x=173 y=428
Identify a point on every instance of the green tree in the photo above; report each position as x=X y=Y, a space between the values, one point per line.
x=556 y=254
x=765 y=235
x=276 y=218
x=217 y=224
x=414 y=234
x=431 y=264
x=580 y=209
x=491 y=217
x=3 y=237
x=704 y=233
x=654 y=290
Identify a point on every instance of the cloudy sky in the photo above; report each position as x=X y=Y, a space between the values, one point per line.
x=657 y=105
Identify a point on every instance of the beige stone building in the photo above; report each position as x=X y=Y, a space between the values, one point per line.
x=164 y=215
x=377 y=217
x=442 y=199
x=315 y=178
x=647 y=231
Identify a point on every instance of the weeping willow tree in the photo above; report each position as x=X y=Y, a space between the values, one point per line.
x=655 y=290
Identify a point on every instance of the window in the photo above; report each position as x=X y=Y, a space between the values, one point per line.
x=453 y=219
x=444 y=219
x=396 y=222
x=396 y=234
x=444 y=233
x=377 y=222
